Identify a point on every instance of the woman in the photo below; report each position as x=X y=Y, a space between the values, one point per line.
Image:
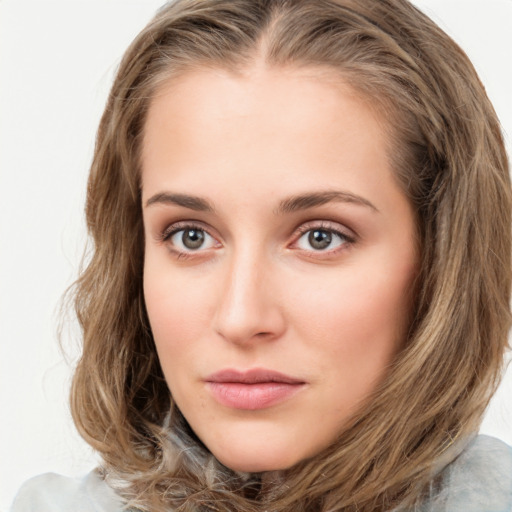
x=299 y=293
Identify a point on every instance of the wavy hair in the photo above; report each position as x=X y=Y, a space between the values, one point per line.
x=448 y=155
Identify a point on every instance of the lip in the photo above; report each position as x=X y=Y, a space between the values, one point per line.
x=252 y=389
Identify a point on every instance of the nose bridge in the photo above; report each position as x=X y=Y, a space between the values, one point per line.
x=247 y=306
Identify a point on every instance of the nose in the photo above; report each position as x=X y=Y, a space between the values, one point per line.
x=249 y=306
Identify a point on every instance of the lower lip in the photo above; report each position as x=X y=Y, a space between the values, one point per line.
x=255 y=396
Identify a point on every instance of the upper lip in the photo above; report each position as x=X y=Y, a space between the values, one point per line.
x=252 y=376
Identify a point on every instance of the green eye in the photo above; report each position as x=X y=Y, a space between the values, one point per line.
x=191 y=239
x=321 y=239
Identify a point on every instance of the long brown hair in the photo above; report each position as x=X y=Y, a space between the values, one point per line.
x=448 y=155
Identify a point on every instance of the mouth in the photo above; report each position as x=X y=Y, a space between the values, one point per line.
x=252 y=389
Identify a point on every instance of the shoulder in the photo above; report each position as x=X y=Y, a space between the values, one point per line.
x=480 y=478
x=55 y=493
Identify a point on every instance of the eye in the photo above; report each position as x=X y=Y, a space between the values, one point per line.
x=322 y=239
x=190 y=239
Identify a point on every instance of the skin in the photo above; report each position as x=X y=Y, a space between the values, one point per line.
x=257 y=294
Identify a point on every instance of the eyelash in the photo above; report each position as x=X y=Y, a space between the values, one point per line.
x=327 y=227
x=324 y=226
x=170 y=231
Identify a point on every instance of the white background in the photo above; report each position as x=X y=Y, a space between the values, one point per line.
x=57 y=60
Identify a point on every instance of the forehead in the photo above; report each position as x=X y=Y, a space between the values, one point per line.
x=278 y=120
x=229 y=93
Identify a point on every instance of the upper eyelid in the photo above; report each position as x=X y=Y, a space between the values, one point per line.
x=343 y=237
x=335 y=227
x=174 y=227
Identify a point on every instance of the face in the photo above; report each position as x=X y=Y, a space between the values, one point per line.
x=279 y=258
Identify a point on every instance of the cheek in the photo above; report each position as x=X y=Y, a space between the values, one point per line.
x=179 y=306
x=357 y=317
x=167 y=314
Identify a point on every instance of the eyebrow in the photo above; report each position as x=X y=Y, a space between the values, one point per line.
x=191 y=202
x=290 y=205
x=305 y=201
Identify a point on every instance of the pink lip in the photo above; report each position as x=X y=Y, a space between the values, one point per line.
x=253 y=389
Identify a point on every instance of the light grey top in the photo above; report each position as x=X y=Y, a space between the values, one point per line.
x=479 y=480
x=56 y=493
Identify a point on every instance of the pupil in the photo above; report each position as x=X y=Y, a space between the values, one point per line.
x=319 y=239
x=193 y=238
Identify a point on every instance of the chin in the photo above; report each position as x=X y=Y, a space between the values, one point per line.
x=248 y=463
x=253 y=466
